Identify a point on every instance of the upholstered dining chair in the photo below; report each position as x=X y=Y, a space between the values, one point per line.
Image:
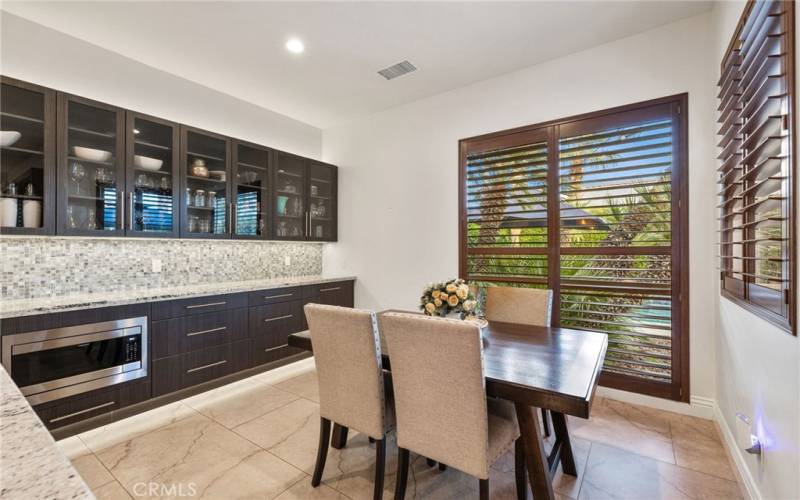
x=352 y=390
x=527 y=306
x=440 y=399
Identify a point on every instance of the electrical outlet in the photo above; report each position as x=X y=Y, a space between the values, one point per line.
x=287 y=260
x=156 y=265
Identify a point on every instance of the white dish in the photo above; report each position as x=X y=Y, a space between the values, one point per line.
x=217 y=174
x=92 y=154
x=9 y=137
x=147 y=163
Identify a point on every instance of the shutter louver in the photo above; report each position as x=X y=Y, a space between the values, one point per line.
x=756 y=164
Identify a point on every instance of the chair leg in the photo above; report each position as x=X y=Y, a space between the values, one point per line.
x=402 y=474
x=484 y=487
x=545 y=423
x=431 y=462
x=442 y=467
x=519 y=469
x=322 y=450
x=380 y=467
x=339 y=436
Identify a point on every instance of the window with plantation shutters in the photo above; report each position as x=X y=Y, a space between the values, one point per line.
x=588 y=207
x=756 y=163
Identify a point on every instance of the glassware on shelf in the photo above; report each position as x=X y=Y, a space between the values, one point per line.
x=200 y=198
x=314 y=190
x=204 y=225
x=211 y=198
x=72 y=220
x=199 y=168
x=188 y=197
x=282 y=230
x=282 y=202
x=103 y=176
x=289 y=187
x=318 y=231
x=91 y=223
x=165 y=184
x=77 y=173
x=144 y=181
x=29 y=190
x=12 y=189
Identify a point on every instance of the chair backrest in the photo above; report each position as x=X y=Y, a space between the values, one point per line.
x=347 y=353
x=439 y=389
x=527 y=306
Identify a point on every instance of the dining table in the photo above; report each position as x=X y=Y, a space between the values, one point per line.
x=532 y=367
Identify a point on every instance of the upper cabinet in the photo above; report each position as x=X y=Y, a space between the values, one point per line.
x=91 y=167
x=73 y=166
x=322 y=197
x=251 y=182
x=152 y=179
x=27 y=158
x=206 y=176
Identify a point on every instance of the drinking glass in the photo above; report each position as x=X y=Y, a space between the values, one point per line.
x=77 y=172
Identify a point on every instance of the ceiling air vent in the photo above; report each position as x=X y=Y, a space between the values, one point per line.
x=398 y=69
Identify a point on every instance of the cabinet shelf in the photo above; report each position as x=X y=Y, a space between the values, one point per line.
x=80 y=130
x=290 y=174
x=205 y=157
x=21 y=197
x=279 y=191
x=289 y=216
x=206 y=209
x=249 y=165
x=94 y=162
x=156 y=172
x=87 y=198
x=320 y=180
x=151 y=145
x=23 y=150
x=205 y=179
x=14 y=116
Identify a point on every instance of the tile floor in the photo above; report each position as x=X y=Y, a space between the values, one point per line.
x=257 y=438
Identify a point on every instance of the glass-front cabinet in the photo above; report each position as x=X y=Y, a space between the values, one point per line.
x=250 y=186
x=321 y=202
x=91 y=167
x=289 y=195
x=206 y=177
x=152 y=176
x=27 y=158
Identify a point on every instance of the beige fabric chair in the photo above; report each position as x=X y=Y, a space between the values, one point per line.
x=352 y=392
x=526 y=306
x=440 y=398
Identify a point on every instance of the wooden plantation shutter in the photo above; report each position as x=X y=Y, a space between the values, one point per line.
x=590 y=207
x=756 y=171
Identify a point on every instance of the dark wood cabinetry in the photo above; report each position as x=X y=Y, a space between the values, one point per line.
x=99 y=170
x=28 y=159
x=91 y=167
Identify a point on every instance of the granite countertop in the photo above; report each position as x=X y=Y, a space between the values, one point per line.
x=28 y=307
x=31 y=464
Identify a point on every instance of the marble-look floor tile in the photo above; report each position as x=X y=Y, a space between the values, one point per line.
x=302 y=490
x=72 y=447
x=698 y=446
x=124 y=430
x=286 y=372
x=237 y=403
x=111 y=491
x=197 y=454
x=616 y=473
x=637 y=429
x=291 y=433
x=565 y=484
x=305 y=386
x=93 y=472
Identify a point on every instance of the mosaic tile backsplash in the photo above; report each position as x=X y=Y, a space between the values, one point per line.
x=49 y=267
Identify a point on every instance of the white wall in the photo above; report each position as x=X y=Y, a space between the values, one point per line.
x=399 y=168
x=38 y=54
x=758 y=365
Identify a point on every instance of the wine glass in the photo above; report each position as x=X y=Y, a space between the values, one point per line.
x=77 y=172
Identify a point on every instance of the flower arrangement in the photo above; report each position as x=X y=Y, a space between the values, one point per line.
x=448 y=297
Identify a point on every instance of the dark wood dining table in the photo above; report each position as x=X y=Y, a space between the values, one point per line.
x=533 y=367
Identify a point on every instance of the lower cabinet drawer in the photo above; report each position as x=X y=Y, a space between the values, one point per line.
x=261 y=355
x=196 y=367
x=91 y=404
x=191 y=333
x=270 y=326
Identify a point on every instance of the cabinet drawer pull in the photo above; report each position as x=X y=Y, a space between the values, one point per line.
x=332 y=289
x=197 y=306
x=277 y=318
x=81 y=412
x=210 y=365
x=267 y=297
x=274 y=348
x=201 y=332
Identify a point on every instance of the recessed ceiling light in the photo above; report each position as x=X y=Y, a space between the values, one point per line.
x=295 y=46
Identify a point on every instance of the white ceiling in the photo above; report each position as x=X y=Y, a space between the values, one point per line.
x=238 y=48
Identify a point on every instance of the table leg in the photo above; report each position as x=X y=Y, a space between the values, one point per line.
x=339 y=438
x=562 y=435
x=535 y=457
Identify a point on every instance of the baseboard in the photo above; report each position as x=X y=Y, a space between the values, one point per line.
x=698 y=407
x=735 y=453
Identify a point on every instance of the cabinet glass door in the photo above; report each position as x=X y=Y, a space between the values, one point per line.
x=205 y=187
x=289 y=187
x=251 y=183
x=152 y=183
x=91 y=168
x=321 y=201
x=27 y=158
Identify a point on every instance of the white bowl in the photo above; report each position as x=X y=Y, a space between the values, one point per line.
x=147 y=163
x=217 y=174
x=92 y=154
x=9 y=137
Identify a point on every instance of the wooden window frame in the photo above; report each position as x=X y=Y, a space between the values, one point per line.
x=739 y=291
x=679 y=388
